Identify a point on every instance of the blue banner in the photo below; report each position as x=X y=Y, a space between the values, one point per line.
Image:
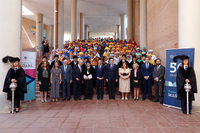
x=170 y=98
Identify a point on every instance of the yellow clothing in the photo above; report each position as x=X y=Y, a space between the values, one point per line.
x=152 y=62
x=60 y=58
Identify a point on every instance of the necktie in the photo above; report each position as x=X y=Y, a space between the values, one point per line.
x=80 y=69
x=99 y=68
x=111 y=66
x=65 y=68
x=15 y=69
x=185 y=68
x=147 y=66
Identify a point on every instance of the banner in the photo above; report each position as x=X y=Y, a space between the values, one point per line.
x=170 y=98
x=29 y=65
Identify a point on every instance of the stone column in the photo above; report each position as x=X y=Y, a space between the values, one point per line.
x=10 y=42
x=39 y=29
x=118 y=32
x=73 y=20
x=61 y=24
x=56 y=24
x=52 y=36
x=189 y=36
x=89 y=34
x=123 y=26
x=81 y=26
x=129 y=19
x=143 y=23
x=86 y=31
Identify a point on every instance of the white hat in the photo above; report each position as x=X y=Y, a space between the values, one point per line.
x=150 y=50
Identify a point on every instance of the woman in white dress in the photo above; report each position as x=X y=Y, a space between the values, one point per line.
x=124 y=80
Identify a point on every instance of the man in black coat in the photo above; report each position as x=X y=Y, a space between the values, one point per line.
x=123 y=60
x=77 y=78
x=55 y=60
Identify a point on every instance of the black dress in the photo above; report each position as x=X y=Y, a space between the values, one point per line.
x=44 y=77
x=19 y=75
x=88 y=84
x=182 y=75
x=138 y=77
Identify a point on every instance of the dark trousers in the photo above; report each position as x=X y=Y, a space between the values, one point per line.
x=184 y=105
x=111 y=88
x=147 y=86
x=17 y=103
x=88 y=95
x=158 y=86
x=100 y=83
x=77 y=90
x=66 y=86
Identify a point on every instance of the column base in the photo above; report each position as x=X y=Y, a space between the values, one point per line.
x=195 y=107
x=5 y=105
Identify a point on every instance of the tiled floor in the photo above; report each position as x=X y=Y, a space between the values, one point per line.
x=99 y=116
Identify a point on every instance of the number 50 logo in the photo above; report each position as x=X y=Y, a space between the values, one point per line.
x=174 y=67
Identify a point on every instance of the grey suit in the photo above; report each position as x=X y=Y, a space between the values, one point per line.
x=66 y=78
x=159 y=73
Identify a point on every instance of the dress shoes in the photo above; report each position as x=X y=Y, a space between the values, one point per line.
x=101 y=98
x=156 y=100
x=63 y=99
x=68 y=99
x=151 y=99
x=143 y=99
x=75 y=99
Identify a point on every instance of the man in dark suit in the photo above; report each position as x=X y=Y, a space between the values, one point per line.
x=77 y=78
x=100 y=75
x=147 y=70
x=72 y=64
x=66 y=79
x=111 y=77
x=158 y=76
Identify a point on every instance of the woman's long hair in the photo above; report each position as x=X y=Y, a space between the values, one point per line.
x=42 y=66
x=19 y=65
x=182 y=64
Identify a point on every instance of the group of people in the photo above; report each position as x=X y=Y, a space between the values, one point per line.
x=84 y=65
x=104 y=62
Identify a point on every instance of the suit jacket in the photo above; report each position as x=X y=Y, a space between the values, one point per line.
x=147 y=71
x=72 y=64
x=138 y=75
x=100 y=73
x=160 y=73
x=67 y=74
x=111 y=74
x=77 y=74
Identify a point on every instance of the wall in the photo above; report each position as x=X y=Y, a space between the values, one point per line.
x=162 y=26
x=27 y=23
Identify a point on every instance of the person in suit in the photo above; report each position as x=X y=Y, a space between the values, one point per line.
x=88 y=75
x=136 y=77
x=100 y=75
x=77 y=78
x=158 y=76
x=147 y=70
x=66 y=79
x=73 y=63
x=111 y=77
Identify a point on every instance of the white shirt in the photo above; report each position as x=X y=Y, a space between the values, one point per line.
x=80 y=68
